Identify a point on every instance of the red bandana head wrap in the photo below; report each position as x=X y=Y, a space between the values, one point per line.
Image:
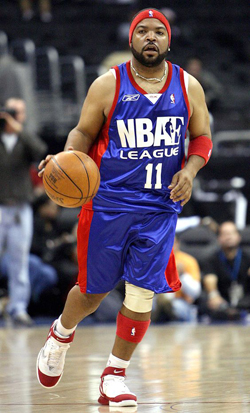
x=149 y=13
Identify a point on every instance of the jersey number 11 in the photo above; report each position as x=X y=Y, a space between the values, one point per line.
x=149 y=175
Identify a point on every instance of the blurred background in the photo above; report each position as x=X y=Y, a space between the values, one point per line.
x=64 y=46
x=52 y=50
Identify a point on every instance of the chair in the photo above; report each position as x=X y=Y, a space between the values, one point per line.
x=199 y=242
x=222 y=199
x=47 y=69
x=73 y=88
x=235 y=142
x=245 y=239
x=48 y=90
x=73 y=82
x=24 y=52
x=3 y=43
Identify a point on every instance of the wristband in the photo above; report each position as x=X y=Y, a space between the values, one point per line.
x=201 y=146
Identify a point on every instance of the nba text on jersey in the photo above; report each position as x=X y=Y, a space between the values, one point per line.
x=164 y=135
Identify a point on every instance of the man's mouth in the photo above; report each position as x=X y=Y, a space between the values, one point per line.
x=150 y=48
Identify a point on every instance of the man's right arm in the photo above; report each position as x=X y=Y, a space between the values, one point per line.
x=93 y=115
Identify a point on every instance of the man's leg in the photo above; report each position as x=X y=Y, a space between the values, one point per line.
x=132 y=323
x=124 y=349
x=78 y=306
x=51 y=359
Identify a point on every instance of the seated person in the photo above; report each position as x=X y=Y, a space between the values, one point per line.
x=226 y=282
x=180 y=305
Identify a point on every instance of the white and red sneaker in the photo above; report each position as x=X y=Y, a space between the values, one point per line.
x=114 y=391
x=51 y=358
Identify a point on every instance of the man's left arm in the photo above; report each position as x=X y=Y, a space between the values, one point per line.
x=200 y=144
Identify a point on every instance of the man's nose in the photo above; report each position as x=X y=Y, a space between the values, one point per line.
x=151 y=36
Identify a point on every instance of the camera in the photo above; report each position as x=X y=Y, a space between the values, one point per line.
x=10 y=111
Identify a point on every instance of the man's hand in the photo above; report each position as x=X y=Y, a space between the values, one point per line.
x=181 y=186
x=12 y=123
x=42 y=165
x=44 y=162
x=215 y=301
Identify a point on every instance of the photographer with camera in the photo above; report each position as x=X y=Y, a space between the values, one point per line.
x=18 y=151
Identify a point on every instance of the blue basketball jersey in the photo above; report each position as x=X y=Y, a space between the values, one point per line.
x=141 y=146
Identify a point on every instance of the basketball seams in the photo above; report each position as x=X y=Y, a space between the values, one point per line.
x=64 y=192
x=79 y=199
x=65 y=173
x=97 y=184
x=64 y=195
x=61 y=193
x=85 y=171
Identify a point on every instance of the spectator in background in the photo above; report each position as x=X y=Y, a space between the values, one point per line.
x=180 y=305
x=28 y=10
x=16 y=80
x=172 y=17
x=46 y=227
x=10 y=80
x=42 y=276
x=53 y=244
x=227 y=277
x=211 y=85
x=18 y=151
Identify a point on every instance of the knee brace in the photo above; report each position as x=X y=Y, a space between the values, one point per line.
x=138 y=299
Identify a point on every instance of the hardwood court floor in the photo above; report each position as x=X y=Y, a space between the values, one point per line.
x=177 y=368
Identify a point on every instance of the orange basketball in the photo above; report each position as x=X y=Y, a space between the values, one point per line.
x=71 y=179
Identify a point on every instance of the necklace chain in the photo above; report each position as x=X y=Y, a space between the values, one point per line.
x=149 y=79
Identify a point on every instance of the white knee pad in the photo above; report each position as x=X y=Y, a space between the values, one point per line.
x=138 y=299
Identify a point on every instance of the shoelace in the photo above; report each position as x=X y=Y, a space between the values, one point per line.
x=121 y=380
x=55 y=353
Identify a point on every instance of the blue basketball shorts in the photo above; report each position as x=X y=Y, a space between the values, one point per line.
x=133 y=247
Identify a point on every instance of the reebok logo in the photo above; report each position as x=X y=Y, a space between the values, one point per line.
x=130 y=98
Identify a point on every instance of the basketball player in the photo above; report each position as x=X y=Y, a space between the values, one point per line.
x=133 y=124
